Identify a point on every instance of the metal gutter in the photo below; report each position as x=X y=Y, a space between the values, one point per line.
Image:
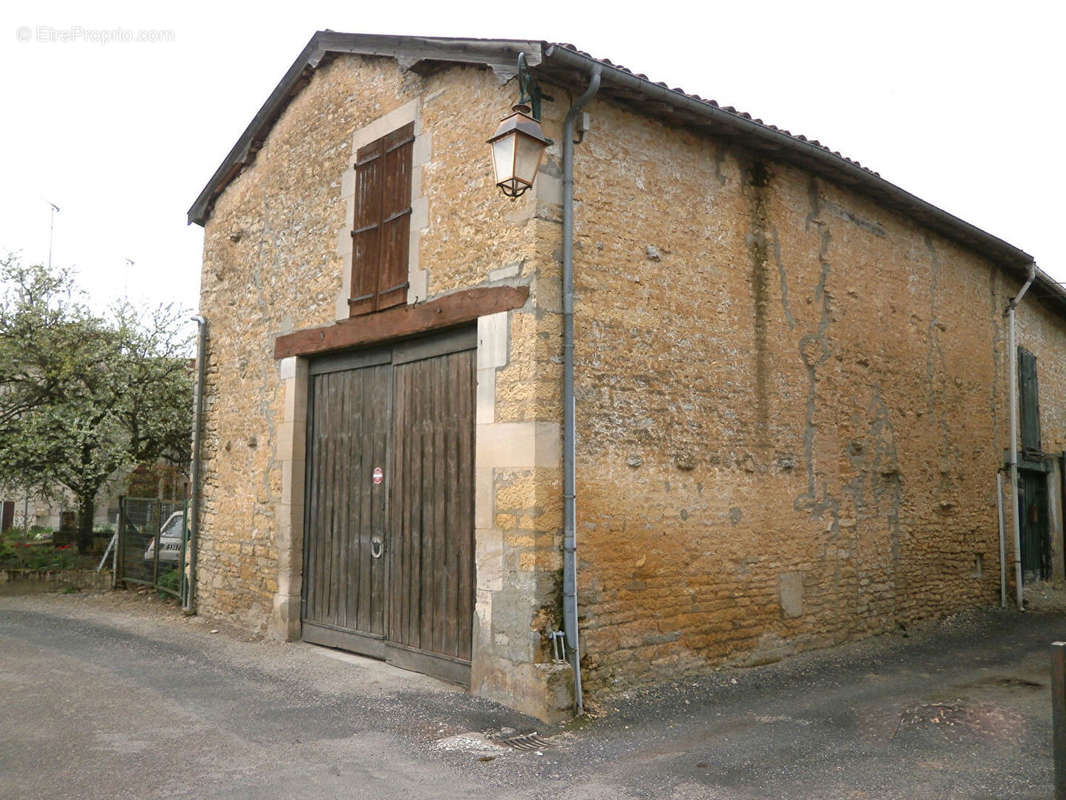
x=570 y=608
x=193 y=522
x=1012 y=369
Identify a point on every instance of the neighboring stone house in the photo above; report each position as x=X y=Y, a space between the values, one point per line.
x=791 y=380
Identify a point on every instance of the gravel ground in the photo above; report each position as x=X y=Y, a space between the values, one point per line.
x=119 y=695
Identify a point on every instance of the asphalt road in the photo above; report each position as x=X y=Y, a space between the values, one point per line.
x=114 y=696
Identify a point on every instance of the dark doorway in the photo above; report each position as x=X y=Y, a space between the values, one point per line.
x=1033 y=515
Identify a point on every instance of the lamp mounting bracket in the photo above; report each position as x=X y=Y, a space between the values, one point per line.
x=529 y=90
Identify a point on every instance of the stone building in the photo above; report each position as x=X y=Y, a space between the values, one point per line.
x=791 y=380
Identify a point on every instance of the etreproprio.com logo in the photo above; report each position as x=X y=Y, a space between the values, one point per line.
x=77 y=34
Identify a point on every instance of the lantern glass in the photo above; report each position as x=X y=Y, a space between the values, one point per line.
x=528 y=152
x=503 y=157
x=517 y=148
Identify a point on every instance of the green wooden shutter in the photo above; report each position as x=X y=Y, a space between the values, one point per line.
x=1029 y=400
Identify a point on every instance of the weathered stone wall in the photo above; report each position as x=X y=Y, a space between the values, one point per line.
x=270 y=267
x=791 y=408
x=1041 y=330
x=274 y=262
x=791 y=403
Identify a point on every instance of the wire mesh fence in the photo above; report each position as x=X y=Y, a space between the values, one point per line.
x=151 y=544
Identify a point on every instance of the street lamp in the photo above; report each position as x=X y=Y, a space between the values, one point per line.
x=519 y=143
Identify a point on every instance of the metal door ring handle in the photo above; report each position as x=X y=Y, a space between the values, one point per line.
x=376 y=547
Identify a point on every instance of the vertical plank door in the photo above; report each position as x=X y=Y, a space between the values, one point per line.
x=346 y=505
x=431 y=587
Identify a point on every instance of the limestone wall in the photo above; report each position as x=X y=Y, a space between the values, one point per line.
x=274 y=262
x=1041 y=330
x=791 y=408
x=791 y=402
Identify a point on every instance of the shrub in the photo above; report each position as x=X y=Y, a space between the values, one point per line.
x=20 y=552
x=170 y=580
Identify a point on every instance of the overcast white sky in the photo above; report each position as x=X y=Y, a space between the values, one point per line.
x=960 y=103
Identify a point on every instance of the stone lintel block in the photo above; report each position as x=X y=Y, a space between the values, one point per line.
x=518 y=444
x=287 y=368
x=486 y=396
x=422 y=149
x=344 y=239
x=484 y=498
x=348 y=183
x=493 y=340
x=489 y=550
x=292 y=487
x=285 y=619
x=396 y=118
x=549 y=189
x=419 y=285
x=505 y=273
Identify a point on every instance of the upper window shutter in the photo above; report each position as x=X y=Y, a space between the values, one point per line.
x=380 y=238
x=1029 y=400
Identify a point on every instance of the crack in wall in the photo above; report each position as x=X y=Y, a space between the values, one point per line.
x=875 y=490
x=877 y=482
x=759 y=179
x=814 y=351
x=782 y=278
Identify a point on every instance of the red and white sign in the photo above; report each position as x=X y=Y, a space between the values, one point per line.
x=379 y=476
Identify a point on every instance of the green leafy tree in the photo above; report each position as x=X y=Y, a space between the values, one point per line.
x=83 y=396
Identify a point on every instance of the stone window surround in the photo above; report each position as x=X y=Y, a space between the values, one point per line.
x=410 y=112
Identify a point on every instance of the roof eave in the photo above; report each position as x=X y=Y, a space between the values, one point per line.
x=782 y=146
x=570 y=67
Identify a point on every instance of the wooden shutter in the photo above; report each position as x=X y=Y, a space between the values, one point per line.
x=1029 y=400
x=382 y=225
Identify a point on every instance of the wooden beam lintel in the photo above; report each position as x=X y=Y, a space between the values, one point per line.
x=401 y=322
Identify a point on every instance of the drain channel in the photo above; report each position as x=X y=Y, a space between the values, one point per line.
x=523 y=741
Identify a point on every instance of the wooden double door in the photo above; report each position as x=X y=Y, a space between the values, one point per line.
x=389 y=519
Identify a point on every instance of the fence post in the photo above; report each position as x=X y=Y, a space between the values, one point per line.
x=1058 y=713
x=154 y=524
x=120 y=545
x=183 y=585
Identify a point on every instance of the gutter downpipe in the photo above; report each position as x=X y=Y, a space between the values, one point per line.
x=570 y=609
x=1002 y=541
x=189 y=606
x=1012 y=368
